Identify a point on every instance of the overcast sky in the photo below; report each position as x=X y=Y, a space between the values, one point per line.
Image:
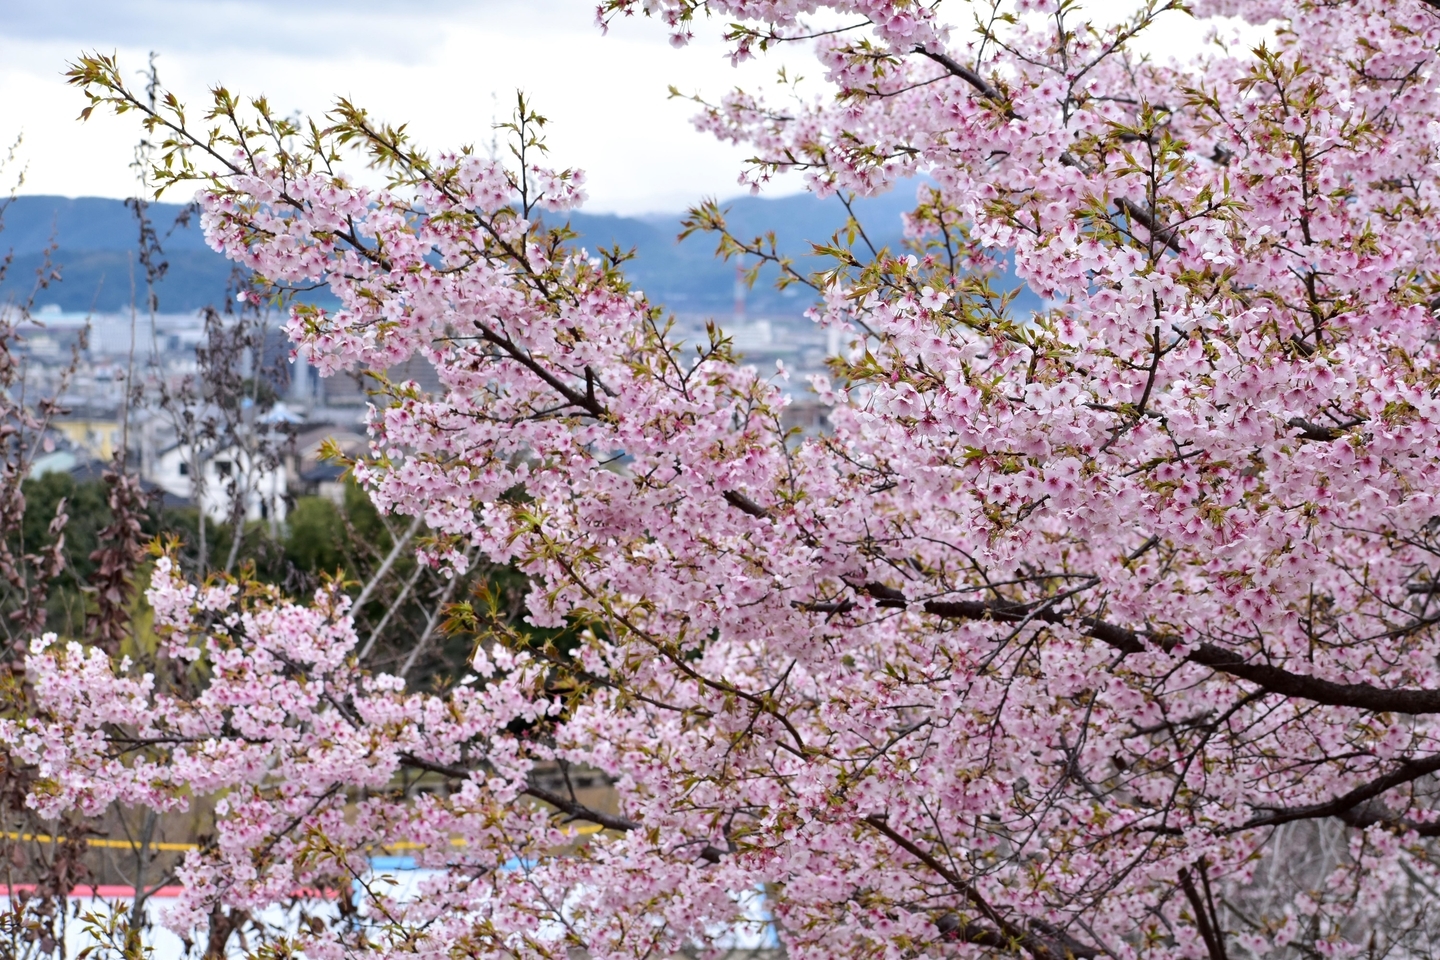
x=447 y=67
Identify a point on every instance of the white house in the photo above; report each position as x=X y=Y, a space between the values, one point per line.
x=224 y=475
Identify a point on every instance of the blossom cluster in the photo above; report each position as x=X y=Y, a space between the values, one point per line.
x=1067 y=624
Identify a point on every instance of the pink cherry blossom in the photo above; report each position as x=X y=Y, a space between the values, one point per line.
x=1059 y=640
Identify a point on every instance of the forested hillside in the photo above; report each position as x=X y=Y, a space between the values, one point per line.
x=95 y=240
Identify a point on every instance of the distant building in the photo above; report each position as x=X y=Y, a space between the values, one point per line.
x=808 y=415
x=56 y=461
x=98 y=436
x=262 y=489
x=352 y=388
x=314 y=476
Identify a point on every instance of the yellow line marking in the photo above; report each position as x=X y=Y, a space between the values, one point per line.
x=99 y=842
x=583 y=830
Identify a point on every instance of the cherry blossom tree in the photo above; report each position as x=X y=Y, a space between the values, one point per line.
x=1106 y=631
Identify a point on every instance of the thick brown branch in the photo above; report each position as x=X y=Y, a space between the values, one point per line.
x=1148 y=220
x=1319 y=432
x=951 y=927
x=1374 y=812
x=1037 y=948
x=585 y=401
x=1136 y=212
x=571 y=808
x=981 y=85
x=1362 y=696
x=1213 y=944
x=1407 y=772
x=744 y=504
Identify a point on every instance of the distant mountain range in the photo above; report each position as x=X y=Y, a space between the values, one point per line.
x=95 y=242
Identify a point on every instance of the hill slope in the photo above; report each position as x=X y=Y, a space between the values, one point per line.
x=95 y=241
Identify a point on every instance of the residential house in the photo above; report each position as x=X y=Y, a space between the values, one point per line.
x=216 y=479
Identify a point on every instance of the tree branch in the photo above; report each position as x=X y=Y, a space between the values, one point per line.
x=1148 y=220
x=1136 y=212
x=571 y=808
x=744 y=504
x=981 y=85
x=1320 y=432
x=1008 y=933
x=585 y=401
x=1361 y=696
x=385 y=566
x=1407 y=772
x=1212 y=937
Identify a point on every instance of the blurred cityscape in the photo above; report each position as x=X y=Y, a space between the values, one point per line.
x=266 y=445
x=244 y=432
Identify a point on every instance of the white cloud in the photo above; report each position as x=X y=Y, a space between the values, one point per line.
x=447 y=67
